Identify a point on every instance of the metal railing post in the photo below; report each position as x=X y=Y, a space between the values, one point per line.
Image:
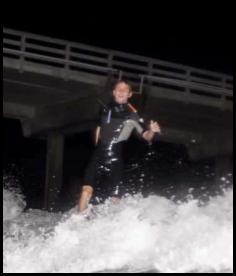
x=22 y=53
x=150 y=71
x=66 y=75
x=110 y=59
x=120 y=75
x=187 y=88
x=141 y=85
x=223 y=97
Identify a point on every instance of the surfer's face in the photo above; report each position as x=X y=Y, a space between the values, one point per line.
x=122 y=93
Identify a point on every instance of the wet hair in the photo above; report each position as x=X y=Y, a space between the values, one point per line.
x=122 y=81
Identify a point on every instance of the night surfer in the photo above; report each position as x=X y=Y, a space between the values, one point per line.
x=118 y=120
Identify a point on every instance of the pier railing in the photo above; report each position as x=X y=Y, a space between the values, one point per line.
x=69 y=57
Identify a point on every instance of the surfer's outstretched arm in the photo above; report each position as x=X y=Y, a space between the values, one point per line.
x=87 y=189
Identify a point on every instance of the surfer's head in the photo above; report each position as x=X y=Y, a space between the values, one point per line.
x=122 y=91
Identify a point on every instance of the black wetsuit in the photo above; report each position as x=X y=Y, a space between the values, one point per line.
x=104 y=172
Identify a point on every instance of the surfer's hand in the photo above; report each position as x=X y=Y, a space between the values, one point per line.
x=154 y=127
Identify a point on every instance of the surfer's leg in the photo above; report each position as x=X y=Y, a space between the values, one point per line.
x=89 y=180
x=86 y=194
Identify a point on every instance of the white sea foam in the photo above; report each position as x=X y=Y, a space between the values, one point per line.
x=136 y=234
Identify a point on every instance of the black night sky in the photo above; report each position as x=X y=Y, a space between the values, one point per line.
x=204 y=45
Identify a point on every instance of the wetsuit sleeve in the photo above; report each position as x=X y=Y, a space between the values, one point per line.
x=141 y=127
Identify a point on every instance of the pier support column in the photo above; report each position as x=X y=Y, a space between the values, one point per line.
x=54 y=170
